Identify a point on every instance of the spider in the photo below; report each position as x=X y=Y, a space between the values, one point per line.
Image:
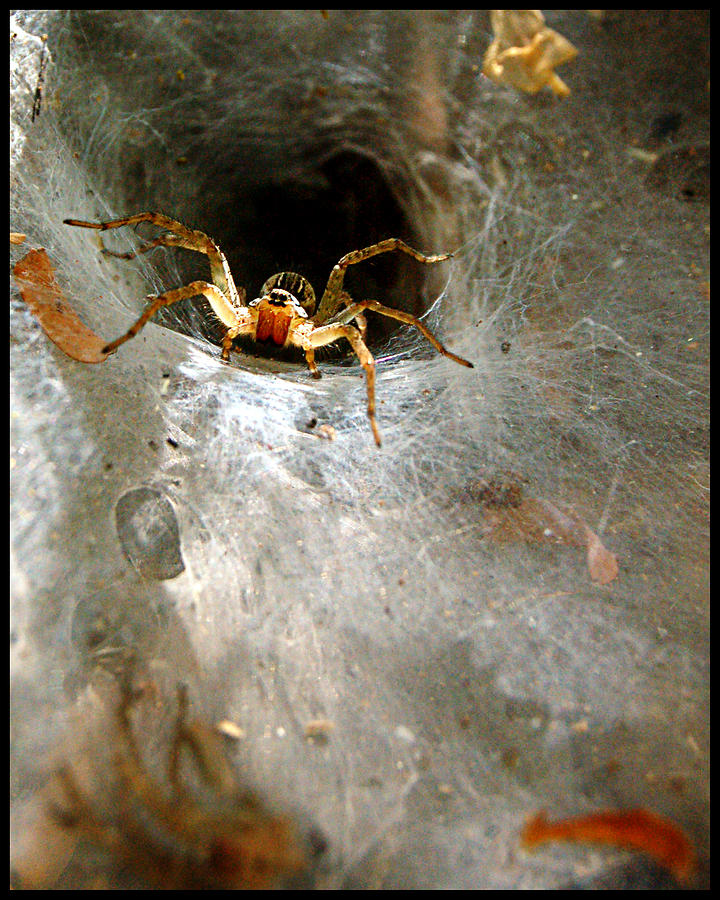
x=182 y=832
x=285 y=313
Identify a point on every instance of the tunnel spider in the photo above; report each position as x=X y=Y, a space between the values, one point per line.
x=196 y=828
x=285 y=312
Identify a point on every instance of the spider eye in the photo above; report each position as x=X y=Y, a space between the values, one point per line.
x=294 y=284
x=279 y=297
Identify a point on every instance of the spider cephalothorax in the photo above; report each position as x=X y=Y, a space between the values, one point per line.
x=285 y=312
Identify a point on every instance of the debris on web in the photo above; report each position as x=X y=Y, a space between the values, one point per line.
x=525 y=52
x=45 y=299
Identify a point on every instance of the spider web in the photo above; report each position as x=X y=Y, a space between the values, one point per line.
x=433 y=600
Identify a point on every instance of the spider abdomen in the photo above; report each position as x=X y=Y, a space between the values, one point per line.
x=296 y=285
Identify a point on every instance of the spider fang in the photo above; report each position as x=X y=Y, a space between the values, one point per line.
x=276 y=312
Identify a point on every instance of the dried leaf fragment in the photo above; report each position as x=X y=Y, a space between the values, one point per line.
x=539 y=520
x=525 y=52
x=570 y=528
x=43 y=295
x=230 y=730
x=319 y=729
x=326 y=431
x=601 y=563
x=17 y=237
x=633 y=829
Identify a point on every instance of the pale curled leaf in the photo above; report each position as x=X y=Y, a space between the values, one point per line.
x=42 y=293
x=539 y=521
x=601 y=563
x=525 y=53
x=570 y=528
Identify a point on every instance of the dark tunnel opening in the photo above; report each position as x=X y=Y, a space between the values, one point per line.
x=305 y=223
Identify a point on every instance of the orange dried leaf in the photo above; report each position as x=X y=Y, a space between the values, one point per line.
x=43 y=295
x=634 y=829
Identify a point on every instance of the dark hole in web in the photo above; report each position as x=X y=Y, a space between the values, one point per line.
x=306 y=223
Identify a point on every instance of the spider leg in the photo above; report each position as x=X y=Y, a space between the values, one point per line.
x=81 y=816
x=245 y=323
x=219 y=302
x=310 y=358
x=205 y=746
x=124 y=837
x=360 y=320
x=361 y=323
x=352 y=312
x=226 y=345
x=227 y=302
x=79 y=813
x=139 y=792
x=332 y=296
x=326 y=334
x=165 y=240
x=181 y=236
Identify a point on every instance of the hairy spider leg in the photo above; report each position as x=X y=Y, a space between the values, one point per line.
x=223 y=310
x=170 y=240
x=310 y=359
x=192 y=239
x=79 y=813
x=351 y=312
x=326 y=334
x=333 y=295
x=360 y=320
x=224 y=297
x=164 y=240
x=206 y=749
